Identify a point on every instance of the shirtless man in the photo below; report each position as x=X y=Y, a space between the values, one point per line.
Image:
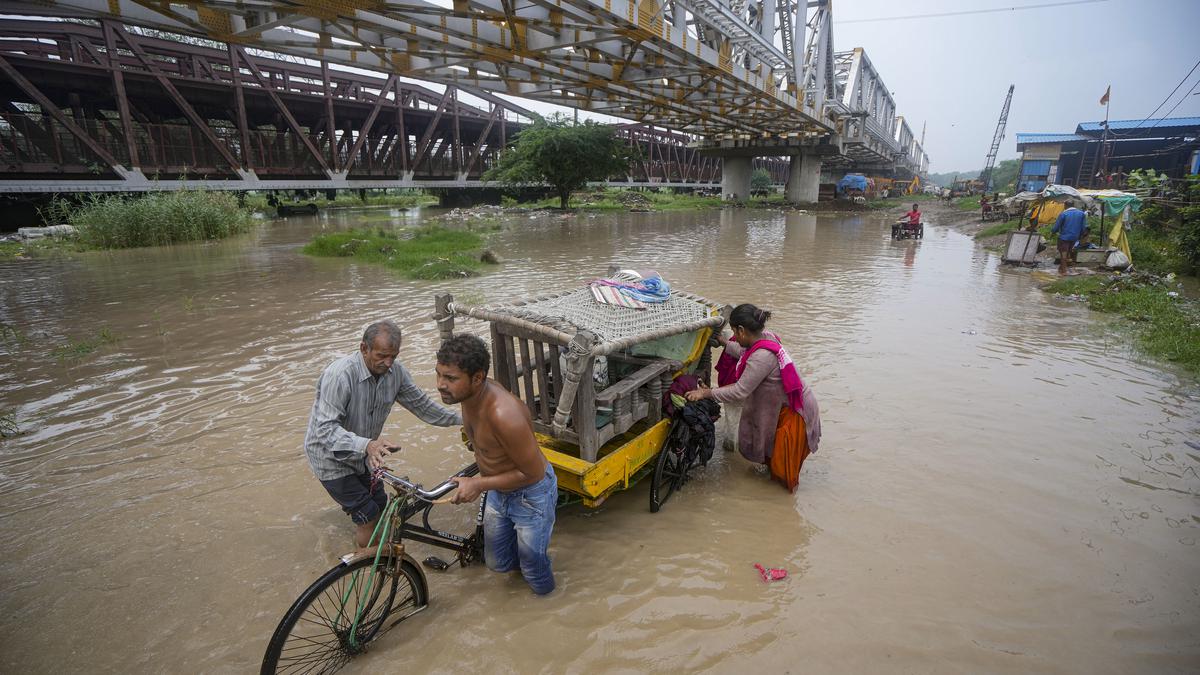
x=521 y=488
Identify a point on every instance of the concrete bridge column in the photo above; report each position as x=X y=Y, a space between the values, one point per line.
x=804 y=179
x=735 y=178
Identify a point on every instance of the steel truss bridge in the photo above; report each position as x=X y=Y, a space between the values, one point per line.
x=71 y=119
x=732 y=79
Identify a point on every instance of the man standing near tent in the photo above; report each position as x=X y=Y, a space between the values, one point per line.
x=1070 y=227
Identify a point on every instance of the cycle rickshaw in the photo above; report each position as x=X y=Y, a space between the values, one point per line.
x=593 y=376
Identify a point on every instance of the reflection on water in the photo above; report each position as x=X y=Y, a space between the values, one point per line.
x=1002 y=486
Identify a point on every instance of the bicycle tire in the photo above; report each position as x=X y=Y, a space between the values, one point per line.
x=314 y=635
x=669 y=470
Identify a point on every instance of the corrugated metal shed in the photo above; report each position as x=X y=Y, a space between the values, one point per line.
x=1048 y=138
x=1141 y=125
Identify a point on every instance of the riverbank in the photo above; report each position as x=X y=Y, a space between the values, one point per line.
x=1160 y=316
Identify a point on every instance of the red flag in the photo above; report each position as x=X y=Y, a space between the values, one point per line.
x=1104 y=98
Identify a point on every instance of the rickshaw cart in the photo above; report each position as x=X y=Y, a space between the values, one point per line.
x=545 y=351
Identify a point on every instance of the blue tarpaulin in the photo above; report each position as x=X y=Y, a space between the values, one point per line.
x=852 y=181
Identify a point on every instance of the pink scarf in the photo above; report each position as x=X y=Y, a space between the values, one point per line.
x=729 y=371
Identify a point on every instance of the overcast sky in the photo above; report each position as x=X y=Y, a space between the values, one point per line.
x=952 y=72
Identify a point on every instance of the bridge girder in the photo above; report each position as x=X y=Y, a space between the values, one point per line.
x=716 y=75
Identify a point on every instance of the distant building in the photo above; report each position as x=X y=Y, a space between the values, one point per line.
x=1170 y=145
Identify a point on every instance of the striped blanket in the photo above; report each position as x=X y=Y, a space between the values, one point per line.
x=612 y=295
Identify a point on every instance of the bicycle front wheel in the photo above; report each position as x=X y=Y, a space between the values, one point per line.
x=338 y=616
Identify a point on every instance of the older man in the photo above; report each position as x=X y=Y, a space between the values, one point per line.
x=354 y=396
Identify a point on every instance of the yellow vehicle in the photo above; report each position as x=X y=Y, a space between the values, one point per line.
x=593 y=376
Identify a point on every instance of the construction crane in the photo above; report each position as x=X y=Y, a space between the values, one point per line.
x=985 y=178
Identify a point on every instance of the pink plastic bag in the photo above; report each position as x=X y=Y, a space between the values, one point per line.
x=772 y=574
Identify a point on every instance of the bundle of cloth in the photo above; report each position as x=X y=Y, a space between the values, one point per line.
x=628 y=288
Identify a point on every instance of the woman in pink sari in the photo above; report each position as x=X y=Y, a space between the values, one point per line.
x=781 y=422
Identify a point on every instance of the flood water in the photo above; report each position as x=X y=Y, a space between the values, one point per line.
x=1003 y=486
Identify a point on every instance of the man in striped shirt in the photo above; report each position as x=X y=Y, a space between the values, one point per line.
x=343 y=442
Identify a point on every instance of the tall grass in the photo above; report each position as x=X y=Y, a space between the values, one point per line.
x=425 y=253
x=153 y=219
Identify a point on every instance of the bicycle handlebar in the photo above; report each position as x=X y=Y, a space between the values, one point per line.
x=437 y=492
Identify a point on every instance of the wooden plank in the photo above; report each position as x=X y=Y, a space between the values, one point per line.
x=555 y=371
x=499 y=358
x=517 y=331
x=539 y=361
x=632 y=383
x=583 y=413
x=510 y=356
x=526 y=369
x=548 y=430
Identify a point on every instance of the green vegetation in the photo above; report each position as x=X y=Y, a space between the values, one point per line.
x=620 y=199
x=997 y=229
x=349 y=199
x=1170 y=225
x=1004 y=176
x=969 y=203
x=426 y=253
x=563 y=155
x=11 y=249
x=1166 y=325
x=85 y=346
x=8 y=425
x=760 y=180
x=947 y=178
x=153 y=219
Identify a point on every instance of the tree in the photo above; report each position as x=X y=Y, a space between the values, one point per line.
x=760 y=181
x=1004 y=176
x=565 y=155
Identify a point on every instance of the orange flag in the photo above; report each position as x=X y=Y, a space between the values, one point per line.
x=1104 y=98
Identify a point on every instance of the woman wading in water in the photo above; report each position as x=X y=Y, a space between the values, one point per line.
x=781 y=422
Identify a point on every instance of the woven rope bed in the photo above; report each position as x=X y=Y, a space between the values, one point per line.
x=561 y=317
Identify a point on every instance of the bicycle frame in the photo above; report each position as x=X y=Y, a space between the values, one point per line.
x=415 y=501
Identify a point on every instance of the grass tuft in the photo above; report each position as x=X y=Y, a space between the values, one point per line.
x=425 y=253
x=9 y=426
x=997 y=229
x=80 y=348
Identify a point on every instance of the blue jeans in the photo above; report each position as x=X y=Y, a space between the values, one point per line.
x=516 y=531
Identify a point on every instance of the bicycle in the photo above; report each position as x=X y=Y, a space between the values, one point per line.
x=345 y=609
x=679 y=455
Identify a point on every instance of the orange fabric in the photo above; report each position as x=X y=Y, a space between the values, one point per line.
x=791 y=448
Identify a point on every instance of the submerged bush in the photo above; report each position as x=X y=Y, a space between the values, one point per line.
x=153 y=219
x=425 y=253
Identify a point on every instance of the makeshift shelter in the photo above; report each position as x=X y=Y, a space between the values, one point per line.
x=852 y=181
x=1045 y=206
x=1120 y=206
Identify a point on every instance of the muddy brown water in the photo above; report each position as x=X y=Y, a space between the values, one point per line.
x=1003 y=485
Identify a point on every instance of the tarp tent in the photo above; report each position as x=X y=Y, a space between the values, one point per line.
x=1120 y=206
x=1047 y=204
x=852 y=181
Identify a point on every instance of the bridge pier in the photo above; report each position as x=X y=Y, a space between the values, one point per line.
x=804 y=179
x=735 y=177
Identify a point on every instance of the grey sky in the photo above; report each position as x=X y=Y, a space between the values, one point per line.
x=954 y=71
